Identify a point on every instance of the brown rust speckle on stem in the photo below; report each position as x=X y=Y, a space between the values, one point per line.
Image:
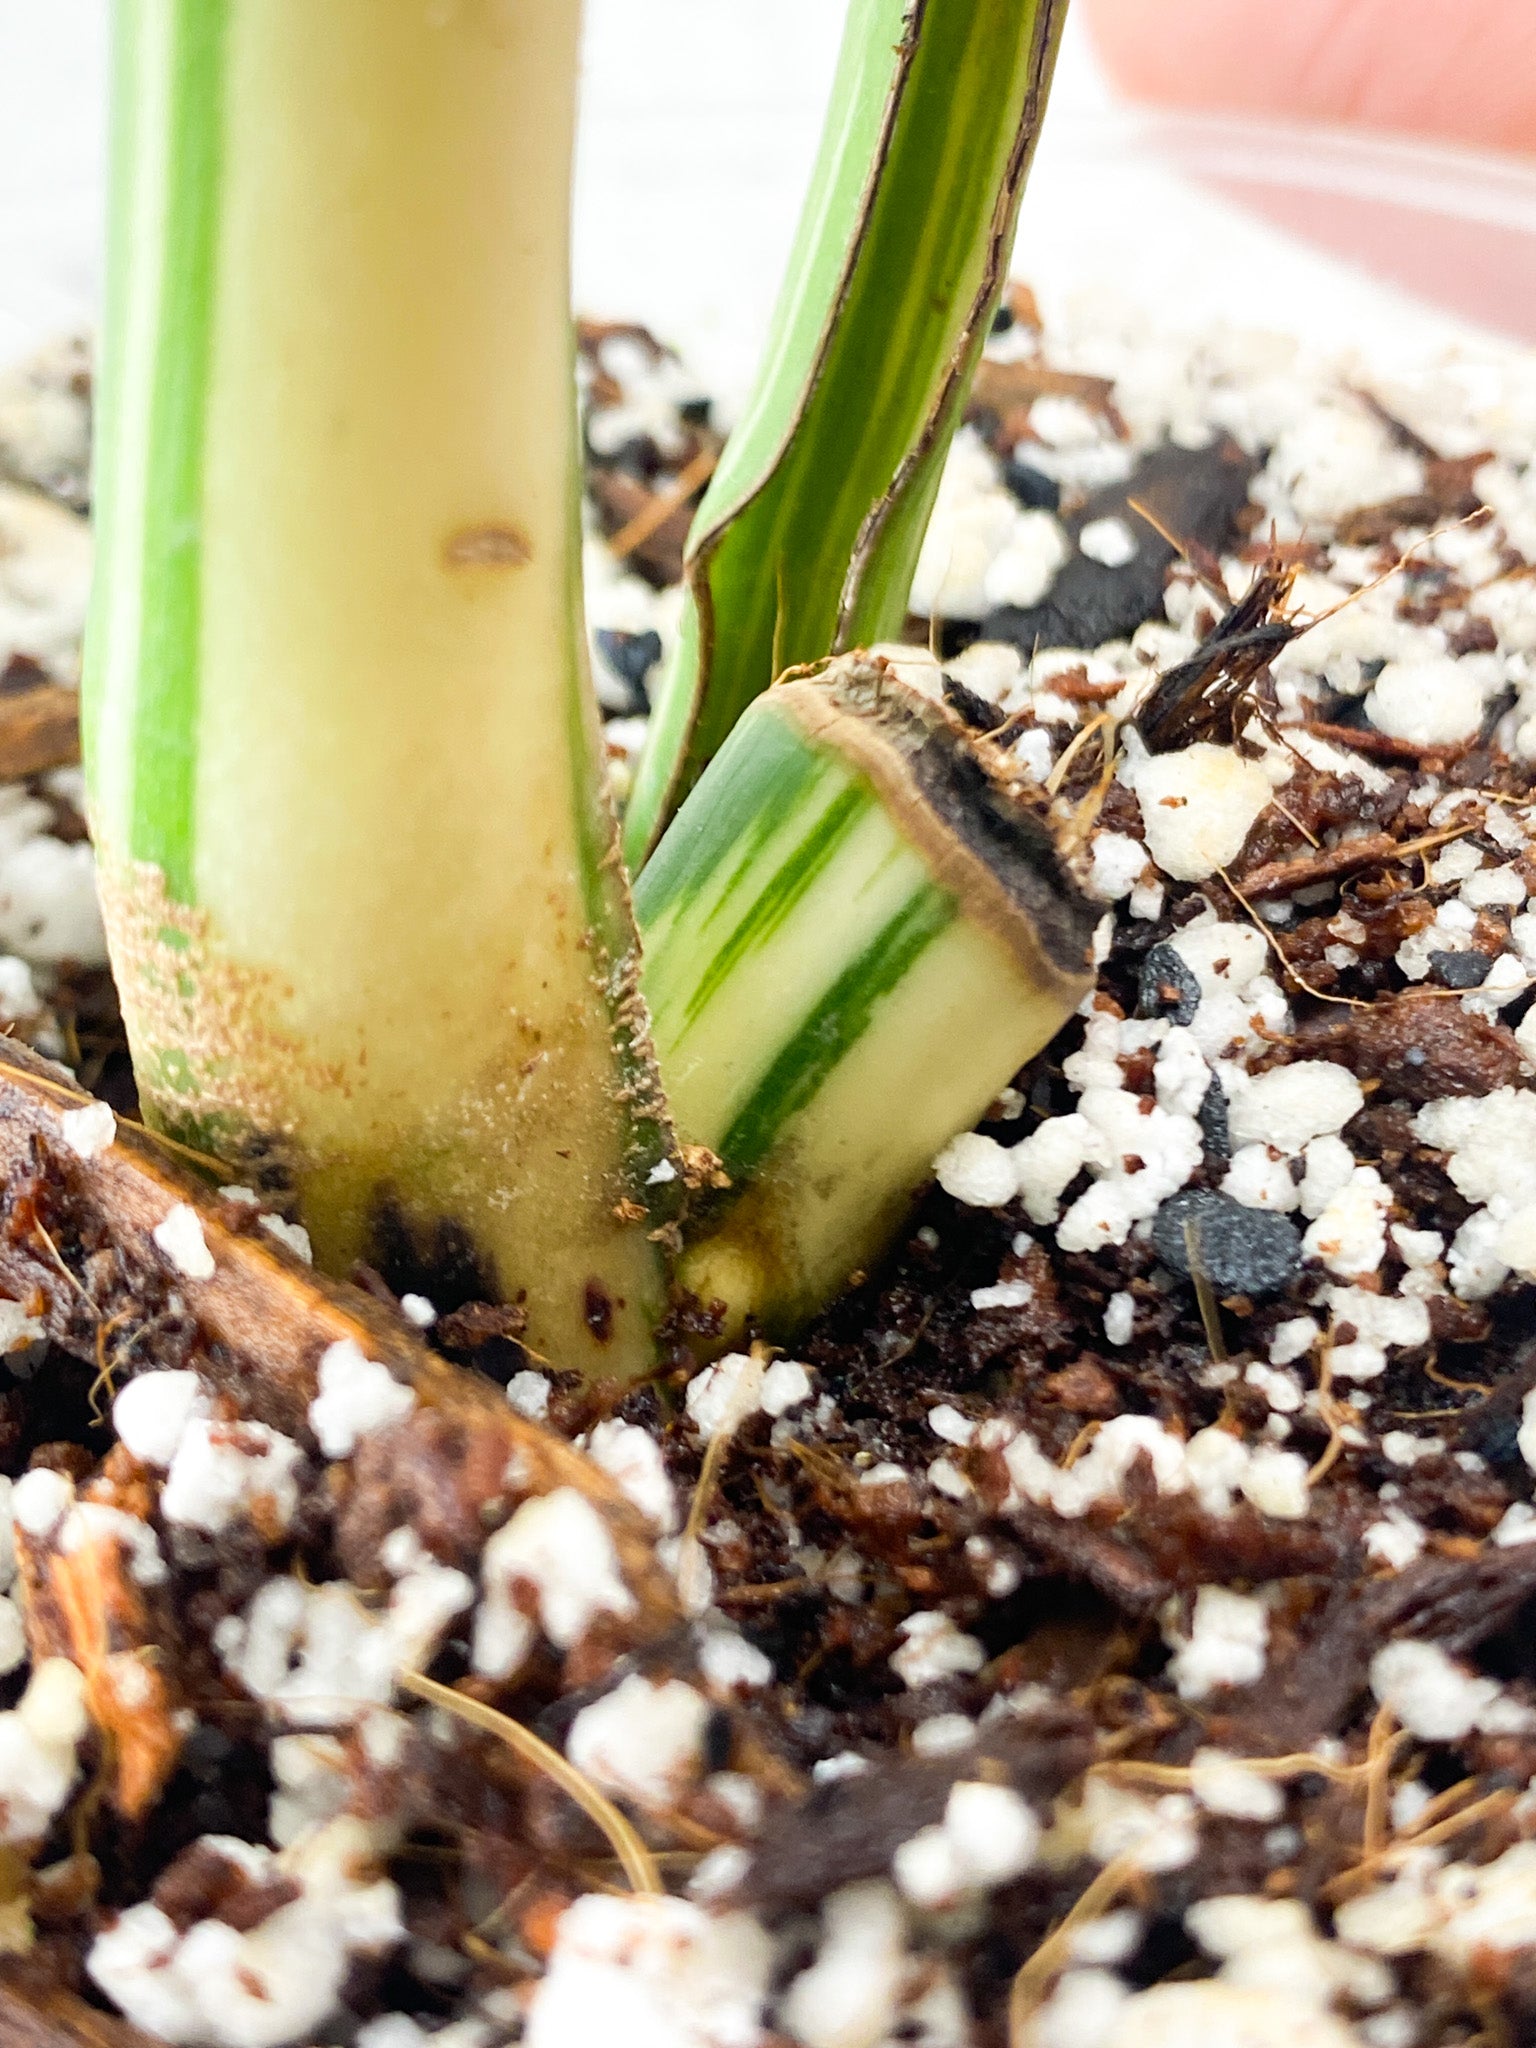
x=495 y=545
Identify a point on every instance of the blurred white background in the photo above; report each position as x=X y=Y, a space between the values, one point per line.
x=737 y=85
x=700 y=120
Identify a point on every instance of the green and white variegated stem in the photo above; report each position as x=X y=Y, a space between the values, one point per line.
x=808 y=537
x=857 y=929
x=360 y=875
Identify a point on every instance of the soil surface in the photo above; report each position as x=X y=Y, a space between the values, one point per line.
x=1114 y=1624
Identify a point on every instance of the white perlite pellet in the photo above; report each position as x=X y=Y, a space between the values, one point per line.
x=1109 y=541
x=653 y=1972
x=988 y=1835
x=849 y=1996
x=1119 y=1318
x=39 y=1501
x=721 y=1397
x=1289 y=1106
x=632 y=1456
x=292 y=1237
x=933 y=1648
x=1429 y=703
x=180 y=1237
x=643 y=1740
x=38 y=1741
x=1350 y=1235
x=1198 y=806
x=528 y=1393
x=217 y=1986
x=90 y=1131
x=1226 y=1645
x=224 y=1472
x=19 y=1332
x=357 y=1395
x=977 y=1171
x=786 y=1385
x=152 y=1412
x=1116 y=864
x=560 y=1548
x=1438 y=1700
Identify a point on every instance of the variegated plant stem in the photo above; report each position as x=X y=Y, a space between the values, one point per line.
x=807 y=539
x=361 y=881
x=889 y=932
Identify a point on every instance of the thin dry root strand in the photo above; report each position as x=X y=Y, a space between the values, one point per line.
x=1075 y=746
x=74 y=1096
x=1205 y=1294
x=1380 y=1747
x=1332 y=1411
x=635 y=1859
x=1478 y=517
x=1492 y=1807
x=105 y=1367
x=1304 y=1763
x=1286 y=963
x=1029 y=1986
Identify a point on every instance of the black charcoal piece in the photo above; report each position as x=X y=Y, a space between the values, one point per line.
x=978 y=712
x=1214 y=1121
x=1492 y=1427
x=1192 y=493
x=631 y=656
x=719 y=1735
x=1032 y=488
x=1244 y=1251
x=638 y=457
x=1460 y=970
x=1168 y=987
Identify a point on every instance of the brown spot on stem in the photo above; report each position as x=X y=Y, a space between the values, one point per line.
x=492 y=546
x=597 y=1310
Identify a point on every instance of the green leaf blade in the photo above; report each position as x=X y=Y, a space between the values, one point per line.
x=807 y=539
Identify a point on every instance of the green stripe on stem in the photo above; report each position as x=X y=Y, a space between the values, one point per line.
x=829 y=1034
x=767 y=909
x=163 y=759
x=165 y=767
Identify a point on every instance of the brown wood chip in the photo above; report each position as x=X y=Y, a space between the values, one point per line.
x=39 y=729
x=1284 y=877
x=1006 y=388
x=1385 y=746
x=622 y=502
